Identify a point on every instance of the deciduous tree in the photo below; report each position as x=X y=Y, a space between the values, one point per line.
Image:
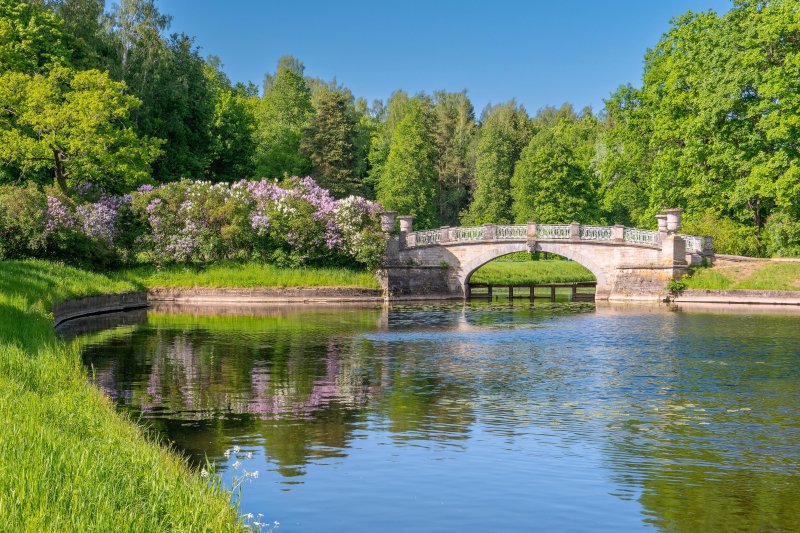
x=408 y=181
x=505 y=131
x=75 y=126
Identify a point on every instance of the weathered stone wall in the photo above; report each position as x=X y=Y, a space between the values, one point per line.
x=262 y=295
x=94 y=305
x=416 y=280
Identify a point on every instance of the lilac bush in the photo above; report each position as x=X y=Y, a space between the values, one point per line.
x=293 y=223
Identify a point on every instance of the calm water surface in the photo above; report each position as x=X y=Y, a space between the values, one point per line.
x=477 y=417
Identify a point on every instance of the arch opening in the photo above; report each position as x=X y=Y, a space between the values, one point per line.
x=467 y=269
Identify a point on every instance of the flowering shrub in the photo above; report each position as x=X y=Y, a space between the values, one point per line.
x=294 y=223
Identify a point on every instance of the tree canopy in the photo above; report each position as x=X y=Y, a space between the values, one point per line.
x=73 y=126
x=713 y=126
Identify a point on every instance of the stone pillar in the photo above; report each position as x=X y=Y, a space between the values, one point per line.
x=708 y=245
x=406 y=223
x=387 y=221
x=444 y=234
x=575 y=231
x=673 y=250
x=489 y=231
x=618 y=232
x=674 y=219
x=532 y=231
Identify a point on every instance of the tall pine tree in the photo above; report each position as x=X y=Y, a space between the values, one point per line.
x=329 y=141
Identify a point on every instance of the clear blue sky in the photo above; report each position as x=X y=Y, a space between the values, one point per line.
x=539 y=52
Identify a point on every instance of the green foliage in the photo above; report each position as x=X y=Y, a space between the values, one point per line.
x=408 y=182
x=454 y=131
x=232 y=134
x=388 y=119
x=31 y=38
x=505 y=131
x=73 y=125
x=83 y=32
x=730 y=237
x=178 y=105
x=283 y=113
x=714 y=126
x=329 y=140
x=23 y=213
x=782 y=233
x=553 y=181
x=675 y=286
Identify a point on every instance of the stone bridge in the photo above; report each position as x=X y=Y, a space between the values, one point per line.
x=629 y=263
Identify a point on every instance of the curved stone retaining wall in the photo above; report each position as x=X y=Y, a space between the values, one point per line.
x=96 y=305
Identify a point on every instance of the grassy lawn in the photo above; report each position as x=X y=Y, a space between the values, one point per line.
x=68 y=460
x=245 y=275
x=519 y=269
x=761 y=275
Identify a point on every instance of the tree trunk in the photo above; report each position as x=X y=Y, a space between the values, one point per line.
x=58 y=171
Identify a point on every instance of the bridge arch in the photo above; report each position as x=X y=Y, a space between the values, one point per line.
x=468 y=267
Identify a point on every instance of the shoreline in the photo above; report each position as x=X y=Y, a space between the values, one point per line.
x=226 y=297
x=736 y=297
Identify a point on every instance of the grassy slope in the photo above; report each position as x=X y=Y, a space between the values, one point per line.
x=523 y=271
x=246 y=275
x=762 y=275
x=68 y=461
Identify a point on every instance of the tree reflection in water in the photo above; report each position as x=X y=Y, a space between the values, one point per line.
x=696 y=416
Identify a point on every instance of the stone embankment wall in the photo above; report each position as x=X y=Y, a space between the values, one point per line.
x=264 y=295
x=95 y=305
x=745 y=297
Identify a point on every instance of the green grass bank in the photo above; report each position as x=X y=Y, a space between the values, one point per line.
x=68 y=460
x=519 y=269
x=244 y=276
x=757 y=275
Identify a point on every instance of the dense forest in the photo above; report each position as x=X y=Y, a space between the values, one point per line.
x=106 y=95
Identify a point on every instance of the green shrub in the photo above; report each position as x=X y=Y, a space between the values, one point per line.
x=782 y=235
x=23 y=216
x=677 y=285
x=730 y=237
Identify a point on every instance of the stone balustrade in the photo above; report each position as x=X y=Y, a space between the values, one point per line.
x=522 y=232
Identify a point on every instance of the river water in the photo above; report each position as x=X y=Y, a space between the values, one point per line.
x=476 y=417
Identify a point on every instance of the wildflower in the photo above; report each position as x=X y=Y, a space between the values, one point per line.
x=236 y=465
x=204 y=473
